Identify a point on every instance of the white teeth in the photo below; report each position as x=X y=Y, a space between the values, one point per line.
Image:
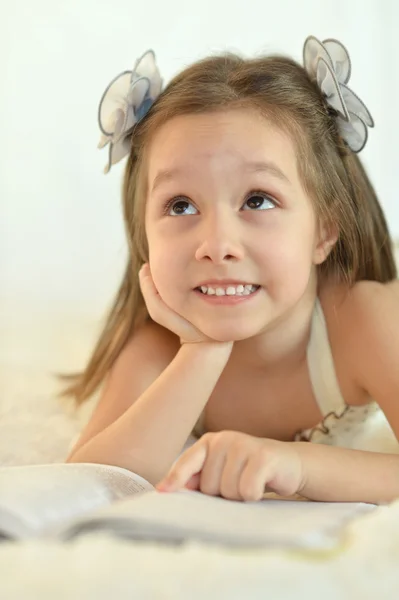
x=239 y=290
x=208 y=291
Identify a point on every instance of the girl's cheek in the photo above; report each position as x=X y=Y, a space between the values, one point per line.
x=165 y=275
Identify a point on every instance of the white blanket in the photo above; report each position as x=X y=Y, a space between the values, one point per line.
x=35 y=428
x=100 y=568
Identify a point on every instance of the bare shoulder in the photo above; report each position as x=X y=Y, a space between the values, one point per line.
x=363 y=327
x=373 y=310
x=365 y=304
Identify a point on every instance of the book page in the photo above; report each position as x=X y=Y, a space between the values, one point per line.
x=186 y=514
x=36 y=497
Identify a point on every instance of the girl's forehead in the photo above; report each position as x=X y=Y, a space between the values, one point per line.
x=228 y=139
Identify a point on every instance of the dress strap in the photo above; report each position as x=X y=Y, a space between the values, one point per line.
x=321 y=370
x=321 y=366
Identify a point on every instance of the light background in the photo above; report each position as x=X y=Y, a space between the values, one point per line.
x=62 y=242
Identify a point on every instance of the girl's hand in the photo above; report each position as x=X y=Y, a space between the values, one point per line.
x=165 y=316
x=237 y=466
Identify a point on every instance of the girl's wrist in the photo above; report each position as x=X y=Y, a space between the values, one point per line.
x=214 y=349
x=302 y=449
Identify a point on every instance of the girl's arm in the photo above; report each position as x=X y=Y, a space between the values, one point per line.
x=149 y=435
x=370 y=327
x=244 y=465
x=332 y=474
x=239 y=466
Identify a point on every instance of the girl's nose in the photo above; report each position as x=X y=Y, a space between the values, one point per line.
x=219 y=241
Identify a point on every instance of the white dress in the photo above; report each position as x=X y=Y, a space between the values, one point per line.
x=358 y=427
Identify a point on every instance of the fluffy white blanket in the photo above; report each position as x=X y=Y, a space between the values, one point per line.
x=36 y=428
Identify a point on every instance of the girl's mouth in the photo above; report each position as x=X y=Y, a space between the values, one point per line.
x=228 y=295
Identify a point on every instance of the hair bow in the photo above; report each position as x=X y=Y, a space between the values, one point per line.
x=328 y=63
x=125 y=101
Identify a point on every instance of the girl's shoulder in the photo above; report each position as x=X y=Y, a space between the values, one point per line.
x=365 y=302
x=363 y=329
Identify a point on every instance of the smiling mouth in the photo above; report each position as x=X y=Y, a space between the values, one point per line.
x=233 y=290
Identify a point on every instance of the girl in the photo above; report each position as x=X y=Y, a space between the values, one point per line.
x=259 y=307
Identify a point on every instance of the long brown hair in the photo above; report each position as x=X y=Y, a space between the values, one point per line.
x=334 y=177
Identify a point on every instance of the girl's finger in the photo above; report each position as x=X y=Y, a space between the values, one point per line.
x=194 y=482
x=212 y=471
x=156 y=307
x=189 y=464
x=255 y=476
x=148 y=289
x=163 y=314
x=144 y=271
x=230 y=480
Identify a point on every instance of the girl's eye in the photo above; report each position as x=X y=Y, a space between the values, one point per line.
x=256 y=200
x=260 y=200
x=179 y=207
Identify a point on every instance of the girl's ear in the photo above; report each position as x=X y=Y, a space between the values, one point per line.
x=327 y=237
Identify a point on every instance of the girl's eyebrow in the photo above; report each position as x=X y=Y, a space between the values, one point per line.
x=267 y=167
x=165 y=175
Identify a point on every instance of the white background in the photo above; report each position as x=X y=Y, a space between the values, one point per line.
x=62 y=245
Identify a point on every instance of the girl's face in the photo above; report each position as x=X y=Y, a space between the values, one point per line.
x=225 y=203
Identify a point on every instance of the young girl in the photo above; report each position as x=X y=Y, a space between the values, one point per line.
x=259 y=307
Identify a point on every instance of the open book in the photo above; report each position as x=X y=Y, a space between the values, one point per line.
x=63 y=501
